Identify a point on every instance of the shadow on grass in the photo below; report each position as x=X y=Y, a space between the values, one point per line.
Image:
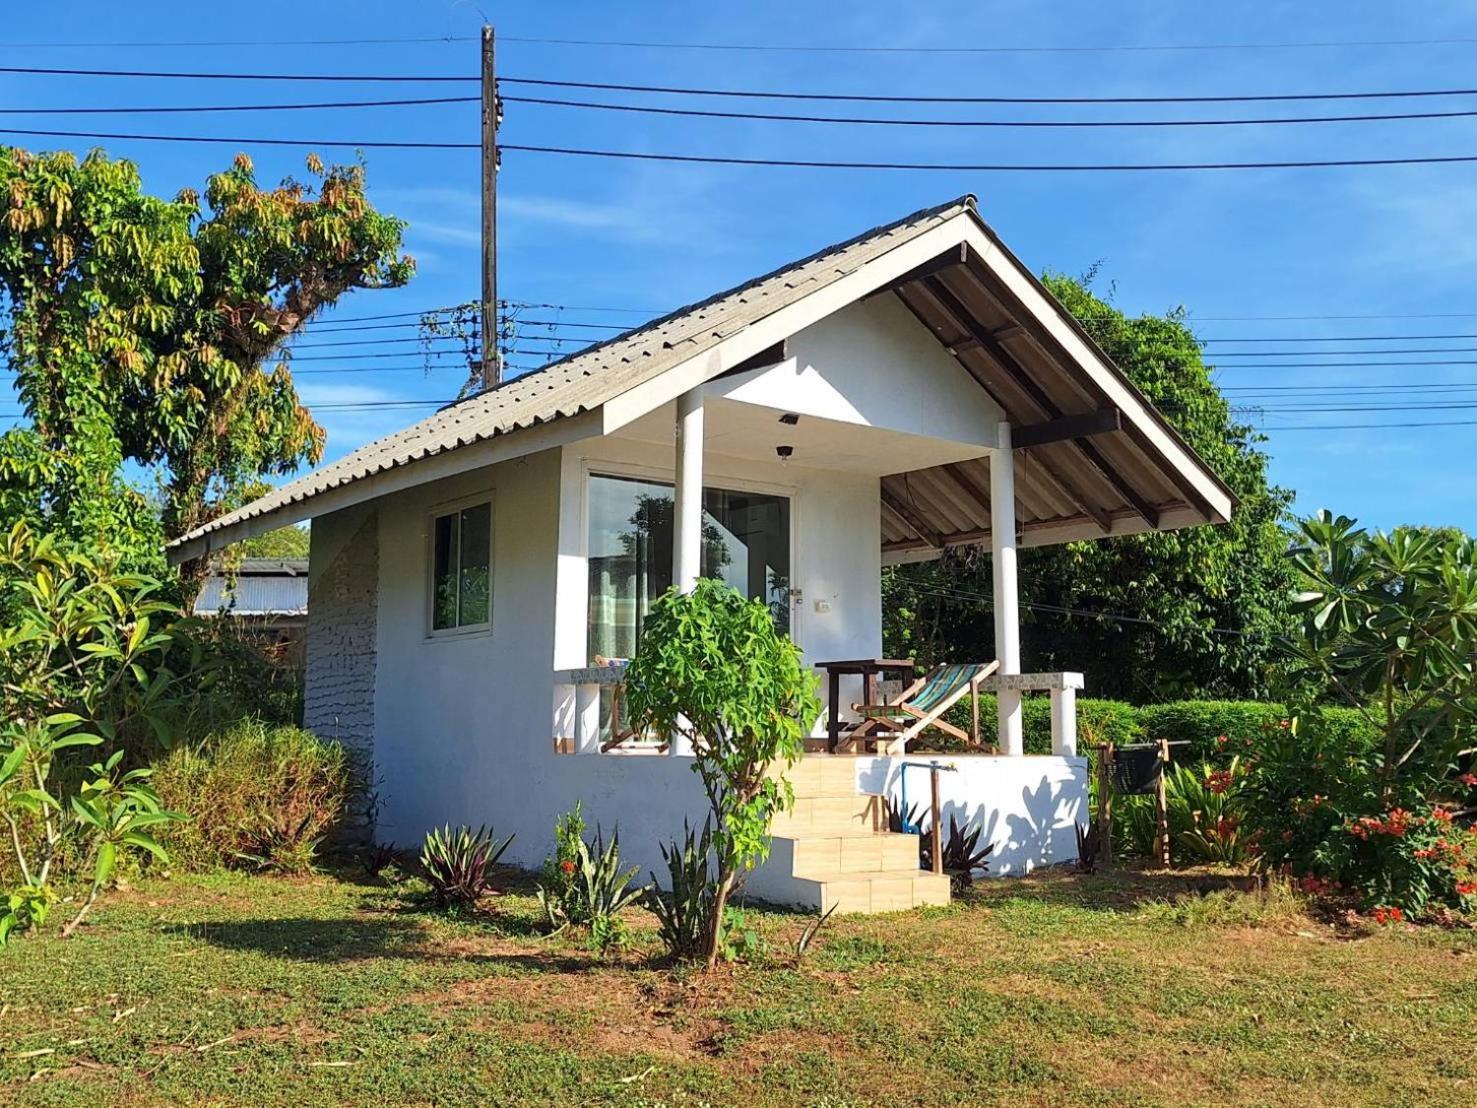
x=1123 y=887
x=349 y=939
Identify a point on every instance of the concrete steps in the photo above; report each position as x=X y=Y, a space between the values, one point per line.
x=834 y=850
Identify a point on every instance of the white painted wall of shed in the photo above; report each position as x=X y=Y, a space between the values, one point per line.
x=1028 y=806
x=874 y=365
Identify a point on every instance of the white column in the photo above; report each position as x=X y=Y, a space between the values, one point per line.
x=1064 y=722
x=1007 y=597
x=587 y=719
x=687 y=506
x=687 y=510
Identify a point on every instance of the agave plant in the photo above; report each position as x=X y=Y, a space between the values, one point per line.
x=684 y=912
x=456 y=864
x=962 y=854
x=597 y=888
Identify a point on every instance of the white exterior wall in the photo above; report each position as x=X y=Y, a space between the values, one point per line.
x=339 y=665
x=1028 y=806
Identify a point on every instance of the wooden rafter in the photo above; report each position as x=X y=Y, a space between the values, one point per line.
x=1002 y=357
x=912 y=521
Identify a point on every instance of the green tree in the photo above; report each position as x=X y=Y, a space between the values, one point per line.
x=150 y=331
x=1205 y=604
x=713 y=670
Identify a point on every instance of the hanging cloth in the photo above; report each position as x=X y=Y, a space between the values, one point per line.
x=1136 y=769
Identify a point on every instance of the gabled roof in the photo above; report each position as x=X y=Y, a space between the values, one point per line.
x=946 y=283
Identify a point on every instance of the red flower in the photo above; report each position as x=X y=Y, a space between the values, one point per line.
x=1466 y=888
x=1384 y=915
x=567 y=866
x=1219 y=780
x=1469 y=779
x=1440 y=815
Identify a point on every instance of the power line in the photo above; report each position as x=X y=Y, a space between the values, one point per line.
x=1367 y=426
x=1339 y=338
x=1336 y=365
x=47 y=71
x=778 y=117
x=192 y=108
x=763 y=47
x=378 y=144
x=1101 y=167
x=745 y=93
x=886 y=98
x=1091 y=49
x=1333 y=353
x=790 y=163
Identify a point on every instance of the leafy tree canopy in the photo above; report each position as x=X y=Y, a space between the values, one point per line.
x=141 y=331
x=1212 y=599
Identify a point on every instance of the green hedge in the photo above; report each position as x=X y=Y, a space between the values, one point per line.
x=1098 y=721
x=1199 y=723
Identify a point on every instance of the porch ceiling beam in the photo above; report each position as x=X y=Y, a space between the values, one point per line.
x=912 y=521
x=1067 y=427
x=954 y=256
x=1022 y=377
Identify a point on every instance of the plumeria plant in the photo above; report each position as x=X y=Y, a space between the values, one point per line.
x=82 y=656
x=1389 y=626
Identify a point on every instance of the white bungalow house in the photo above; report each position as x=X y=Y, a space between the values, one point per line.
x=890 y=397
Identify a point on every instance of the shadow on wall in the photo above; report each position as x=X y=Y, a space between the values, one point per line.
x=1028 y=808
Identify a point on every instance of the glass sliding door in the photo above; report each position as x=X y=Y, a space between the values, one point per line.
x=746 y=542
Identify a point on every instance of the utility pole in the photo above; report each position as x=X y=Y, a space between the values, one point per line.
x=492 y=358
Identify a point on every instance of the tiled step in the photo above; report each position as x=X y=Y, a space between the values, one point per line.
x=832 y=816
x=888 y=891
x=833 y=849
x=826 y=857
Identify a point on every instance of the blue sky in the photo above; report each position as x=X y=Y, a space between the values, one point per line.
x=618 y=240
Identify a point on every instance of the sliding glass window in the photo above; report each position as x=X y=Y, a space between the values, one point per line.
x=746 y=542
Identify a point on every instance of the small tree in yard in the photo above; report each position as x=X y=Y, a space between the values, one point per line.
x=713 y=670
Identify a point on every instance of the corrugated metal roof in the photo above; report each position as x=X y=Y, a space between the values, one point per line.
x=585 y=380
x=274 y=589
x=992 y=316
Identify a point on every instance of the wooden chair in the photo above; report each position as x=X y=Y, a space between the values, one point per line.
x=921 y=706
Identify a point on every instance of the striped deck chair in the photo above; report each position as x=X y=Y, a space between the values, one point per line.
x=919 y=707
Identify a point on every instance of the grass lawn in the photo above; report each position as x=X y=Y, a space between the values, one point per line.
x=1127 y=988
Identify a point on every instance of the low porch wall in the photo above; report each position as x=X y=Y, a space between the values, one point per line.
x=1028 y=806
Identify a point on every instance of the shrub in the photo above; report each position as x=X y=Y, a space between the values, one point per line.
x=961 y=855
x=1098 y=721
x=82 y=660
x=260 y=797
x=1324 y=812
x=685 y=908
x=458 y=864
x=1207 y=821
x=1219 y=729
x=1388 y=623
x=584 y=884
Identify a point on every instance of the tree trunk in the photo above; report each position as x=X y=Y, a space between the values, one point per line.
x=720 y=905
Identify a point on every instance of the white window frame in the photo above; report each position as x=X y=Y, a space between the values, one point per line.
x=437 y=513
